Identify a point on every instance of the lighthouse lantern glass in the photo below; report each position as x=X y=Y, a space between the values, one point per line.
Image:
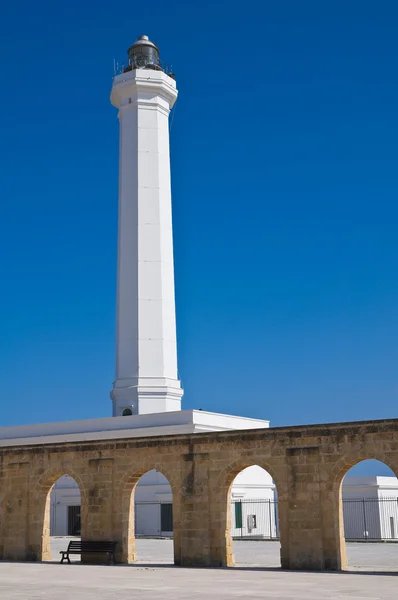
x=143 y=56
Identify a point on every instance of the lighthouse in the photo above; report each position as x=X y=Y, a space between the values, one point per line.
x=146 y=348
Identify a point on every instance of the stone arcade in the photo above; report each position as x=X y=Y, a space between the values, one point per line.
x=307 y=464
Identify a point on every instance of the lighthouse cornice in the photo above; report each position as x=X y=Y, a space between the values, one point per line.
x=143 y=85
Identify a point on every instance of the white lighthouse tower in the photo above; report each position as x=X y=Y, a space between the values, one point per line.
x=146 y=349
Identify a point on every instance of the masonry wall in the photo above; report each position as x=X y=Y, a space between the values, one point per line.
x=307 y=464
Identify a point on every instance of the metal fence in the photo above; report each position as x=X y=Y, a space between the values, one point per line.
x=371 y=519
x=255 y=519
x=365 y=519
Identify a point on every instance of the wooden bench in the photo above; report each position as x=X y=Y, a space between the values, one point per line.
x=79 y=547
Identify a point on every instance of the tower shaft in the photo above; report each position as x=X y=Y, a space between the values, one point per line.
x=146 y=349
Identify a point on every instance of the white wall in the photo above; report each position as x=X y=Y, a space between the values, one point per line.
x=147 y=519
x=253 y=482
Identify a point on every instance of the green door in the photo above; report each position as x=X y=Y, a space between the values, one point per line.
x=238 y=515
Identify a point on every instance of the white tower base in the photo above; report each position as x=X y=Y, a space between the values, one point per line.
x=145 y=395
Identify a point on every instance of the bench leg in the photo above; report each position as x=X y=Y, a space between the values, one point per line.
x=111 y=558
x=65 y=555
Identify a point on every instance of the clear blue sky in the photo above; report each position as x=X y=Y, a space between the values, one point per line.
x=284 y=171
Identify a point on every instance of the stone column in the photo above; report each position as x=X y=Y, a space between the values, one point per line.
x=14 y=514
x=300 y=514
x=193 y=547
x=123 y=523
x=177 y=528
x=97 y=512
x=334 y=550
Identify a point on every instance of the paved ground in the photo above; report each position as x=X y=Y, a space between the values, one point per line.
x=154 y=577
x=46 y=581
x=373 y=557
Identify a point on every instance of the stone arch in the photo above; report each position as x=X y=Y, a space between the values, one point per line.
x=347 y=462
x=50 y=476
x=127 y=486
x=130 y=479
x=39 y=543
x=339 y=472
x=335 y=547
x=230 y=471
x=222 y=508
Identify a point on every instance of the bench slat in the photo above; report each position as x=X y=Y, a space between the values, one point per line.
x=98 y=545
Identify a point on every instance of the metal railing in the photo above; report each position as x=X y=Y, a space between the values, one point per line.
x=255 y=519
x=371 y=519
x=365 y=519
x=119 y=68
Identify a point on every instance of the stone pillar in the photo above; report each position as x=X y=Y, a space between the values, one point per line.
x=97 y=511
x=39 y=523
x=14 y=514
x=177 y=530
x=335 y=557
x=123 y=527
x=300 y=514
x=193 y=519
x=220 y=522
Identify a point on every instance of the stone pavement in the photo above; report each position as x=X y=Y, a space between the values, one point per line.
x=373 y=557
x=42 y=581
x=154 y=576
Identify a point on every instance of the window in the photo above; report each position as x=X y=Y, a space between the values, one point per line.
x=127 y=412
